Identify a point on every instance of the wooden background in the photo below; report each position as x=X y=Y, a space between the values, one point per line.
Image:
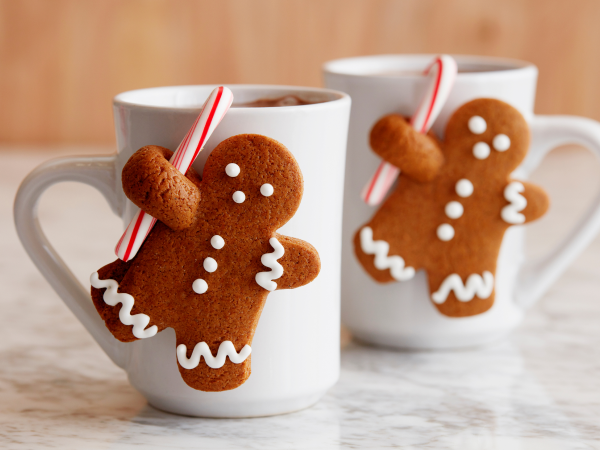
x=62 y=61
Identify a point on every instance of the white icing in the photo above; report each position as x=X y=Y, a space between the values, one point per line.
x=232 y=170
x=217 y=242
x=501 y=142
x=477 y=125
x=239 y=197
x=445 y=232
x=476 y=285
x=464 y=188
x=214 y=362
x=267 y=190
x=481 y=150
x=200 y=286
x=510 y=213
x=210 y=265
x=264 y=279
x=112 y=297
x=454 y=210
x=382 y=261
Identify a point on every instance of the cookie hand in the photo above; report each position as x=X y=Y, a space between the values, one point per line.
x=301 y=263
x=526 y=202
x=417 y=155
x=154 y=185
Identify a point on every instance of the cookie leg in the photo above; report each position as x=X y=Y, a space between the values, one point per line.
x=461 y=295
x=224 y=375
x=110 y=314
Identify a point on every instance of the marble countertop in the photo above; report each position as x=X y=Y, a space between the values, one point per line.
x=540 y=389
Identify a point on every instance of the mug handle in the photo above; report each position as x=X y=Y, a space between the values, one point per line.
x=547 y=133
x=96 y=171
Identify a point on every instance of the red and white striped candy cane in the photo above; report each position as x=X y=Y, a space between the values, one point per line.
x=212 y=112
x=443 y=73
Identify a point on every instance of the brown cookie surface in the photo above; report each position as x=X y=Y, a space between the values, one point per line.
x=222 y=247
x=449 y=219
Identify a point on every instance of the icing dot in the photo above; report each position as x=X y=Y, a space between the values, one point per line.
x=464 y=188
x=266 y=190
x=239 y=197
x=217 y=242
x=232 y=169
x=200 y=286
x=210 y=265
x=454 y=210
x=481 y=150
x=501 y=142
x=445 y=232
x=477 y=125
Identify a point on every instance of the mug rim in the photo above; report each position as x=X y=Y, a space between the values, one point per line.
x=498 y=66
x=336 y=97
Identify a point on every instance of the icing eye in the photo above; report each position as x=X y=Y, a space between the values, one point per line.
x=501 y=142
x=210 y=265
x=454 y=210
x=217 y=242
x=481 y=150
x=232 y=169
x=267 y=190
x=445 y=232
x=239 y=197
x=477 y=125
x=200 y=286
x=464 y=188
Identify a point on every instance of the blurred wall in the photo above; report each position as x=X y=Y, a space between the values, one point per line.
x=61 y=61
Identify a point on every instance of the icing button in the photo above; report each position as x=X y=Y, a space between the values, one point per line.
x=232 y=170
x=200 y=286
x=217 y=242
x=239 y=197
x=445 y=232
x=210 y=265
x=501 y=142
x=481 y=150
x=464 y=188
x=267 y=190
x=454 y=210
x=477 y=125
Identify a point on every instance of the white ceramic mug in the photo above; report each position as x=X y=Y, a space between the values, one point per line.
x=401 y=314
x=295 y=351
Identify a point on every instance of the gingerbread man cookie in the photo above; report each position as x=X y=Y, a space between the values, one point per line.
x=206 y=268
x=452 y=204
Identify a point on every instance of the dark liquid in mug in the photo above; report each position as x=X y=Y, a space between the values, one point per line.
x=287 y=100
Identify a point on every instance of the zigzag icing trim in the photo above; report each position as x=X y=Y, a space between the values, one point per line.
x=112 y=297
x=264 y=279
x=510 y=213
x=476 y=285
x=214 y=362
x=382 y=261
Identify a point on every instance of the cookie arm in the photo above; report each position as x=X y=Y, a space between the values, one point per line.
x=301 y=263
x=417 y=155
x=538 y=202
x=154 y=185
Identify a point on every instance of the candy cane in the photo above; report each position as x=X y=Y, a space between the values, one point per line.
x=212 y=113
x=443 y=73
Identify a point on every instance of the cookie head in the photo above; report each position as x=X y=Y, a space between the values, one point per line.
x=489 y=133
x=256 y=178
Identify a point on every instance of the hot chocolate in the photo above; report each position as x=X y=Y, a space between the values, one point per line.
x=286 y=100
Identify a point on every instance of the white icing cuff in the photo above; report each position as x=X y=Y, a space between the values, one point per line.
x=510 y=213
x=475 y=286
x=226 y=348
x=264 y=279
x=382 y=261
x=112 y=297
